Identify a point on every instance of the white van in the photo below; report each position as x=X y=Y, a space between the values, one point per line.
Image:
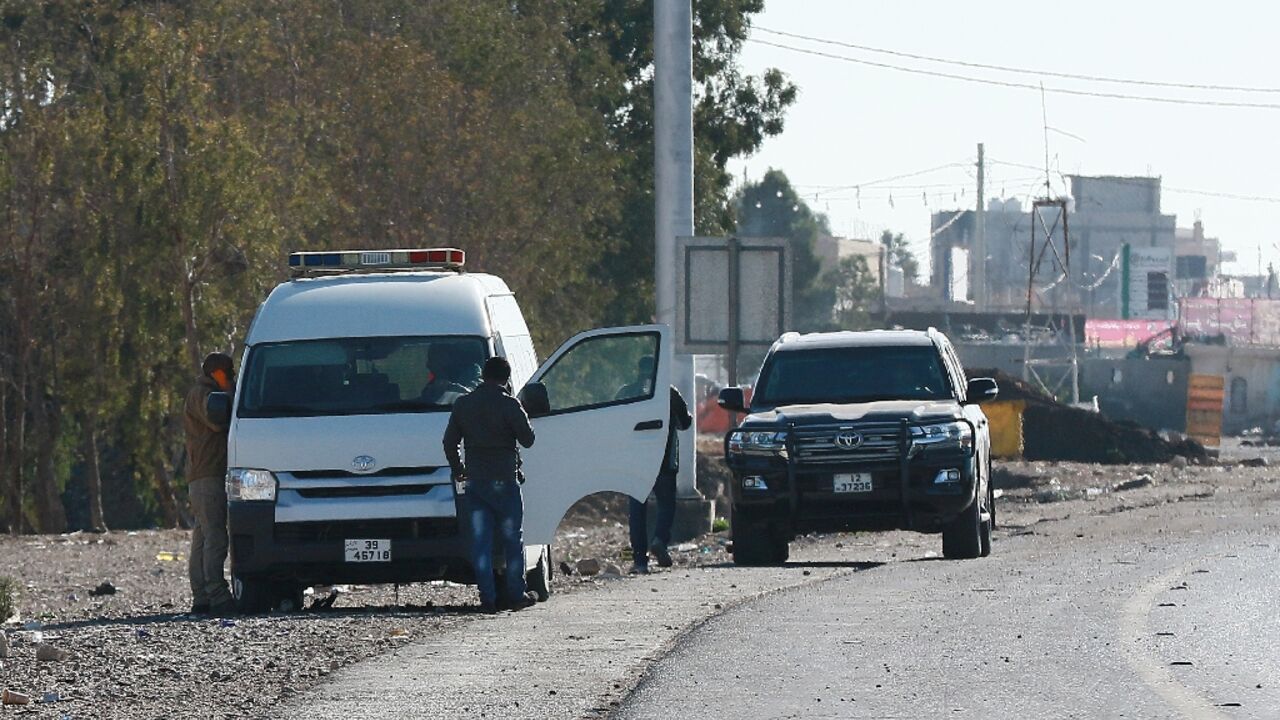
x=337 y=472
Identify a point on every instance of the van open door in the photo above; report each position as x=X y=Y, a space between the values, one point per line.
x=600 y=406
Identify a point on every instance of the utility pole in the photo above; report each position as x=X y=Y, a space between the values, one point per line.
x=979 y=264
x=673 y=210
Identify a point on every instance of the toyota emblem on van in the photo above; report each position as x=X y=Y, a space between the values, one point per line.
x=363 y=463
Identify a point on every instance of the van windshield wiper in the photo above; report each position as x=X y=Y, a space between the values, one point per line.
x=407 y=405
x=283 y=410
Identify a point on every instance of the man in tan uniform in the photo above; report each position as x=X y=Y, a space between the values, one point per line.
x=206 y=473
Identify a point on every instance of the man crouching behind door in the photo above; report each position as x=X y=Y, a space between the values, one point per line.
x=488 y=423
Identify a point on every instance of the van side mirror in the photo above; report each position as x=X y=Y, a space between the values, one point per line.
x=533 y=397
x=732 y=399
x=981 y=390
x=218 y=408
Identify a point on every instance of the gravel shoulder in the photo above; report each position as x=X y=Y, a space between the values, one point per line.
x=134 y=654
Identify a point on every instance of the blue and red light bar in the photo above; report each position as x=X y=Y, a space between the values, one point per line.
x=405 y=259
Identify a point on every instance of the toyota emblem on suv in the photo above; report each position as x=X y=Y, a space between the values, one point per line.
x=848 y=440
x=363 y=463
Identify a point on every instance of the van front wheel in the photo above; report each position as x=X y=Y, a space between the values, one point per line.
x=252 y=595
x=538 y=579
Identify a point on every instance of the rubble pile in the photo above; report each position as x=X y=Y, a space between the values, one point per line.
x=1054 y=431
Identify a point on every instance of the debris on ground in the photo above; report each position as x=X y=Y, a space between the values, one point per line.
x=49 y=653
x=8 y=597
x=4 y=645
x=104 y=588
x=13 y=697
x=589 y=566
x=1139 y=482
x=1055 y=431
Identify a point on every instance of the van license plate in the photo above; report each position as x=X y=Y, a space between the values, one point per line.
x=852 y=483
x=368 y=551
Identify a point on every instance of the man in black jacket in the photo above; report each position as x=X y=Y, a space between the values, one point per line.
x=664 y=492
x=488 y=423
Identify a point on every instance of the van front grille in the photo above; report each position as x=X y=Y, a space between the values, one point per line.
x=400 y=529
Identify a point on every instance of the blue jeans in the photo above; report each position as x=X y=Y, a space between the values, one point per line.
x=664 y=491
x=497 y=508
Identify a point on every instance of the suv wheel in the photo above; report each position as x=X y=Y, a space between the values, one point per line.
x=756 y=542
x=962 y=537
x=989 y=523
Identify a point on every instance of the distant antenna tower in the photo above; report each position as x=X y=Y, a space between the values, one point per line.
x=1058 y=253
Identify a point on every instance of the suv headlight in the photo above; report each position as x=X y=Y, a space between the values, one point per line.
x=246 y=484
x=758 y=442
x=948 y=434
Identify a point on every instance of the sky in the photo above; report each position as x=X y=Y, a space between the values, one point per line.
x=854 y=124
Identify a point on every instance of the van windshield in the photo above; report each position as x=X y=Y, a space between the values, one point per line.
x=360 y=376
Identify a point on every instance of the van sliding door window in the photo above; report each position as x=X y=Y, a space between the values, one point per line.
x=603 y=370
x=360 y=376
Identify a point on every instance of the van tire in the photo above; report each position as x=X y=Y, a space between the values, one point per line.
x=538 y=579
x=252 y=595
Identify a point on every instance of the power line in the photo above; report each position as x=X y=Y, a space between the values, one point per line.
x=1022 y=86
x=1163 y=187
x=1023 y=71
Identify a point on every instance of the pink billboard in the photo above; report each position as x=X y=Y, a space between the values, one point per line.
x=1243 y=321
x=1122 y=333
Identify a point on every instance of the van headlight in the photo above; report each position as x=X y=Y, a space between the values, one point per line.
x=947 y=435
x=246 y=484
x=758 y=442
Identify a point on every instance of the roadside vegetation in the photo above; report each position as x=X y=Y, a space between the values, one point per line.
x=158 y=160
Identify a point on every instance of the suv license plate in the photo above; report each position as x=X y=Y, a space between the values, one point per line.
x=851 y=483
x=368 y=550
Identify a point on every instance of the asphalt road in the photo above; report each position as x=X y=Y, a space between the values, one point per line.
x=1167 y=611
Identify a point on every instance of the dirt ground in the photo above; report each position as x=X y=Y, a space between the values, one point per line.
x=135 y=654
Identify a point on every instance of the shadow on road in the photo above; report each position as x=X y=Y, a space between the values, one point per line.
x=179 y=617
x=851 y=564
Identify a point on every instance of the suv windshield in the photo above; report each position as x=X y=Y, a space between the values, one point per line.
x=360 y=376
x=852 y=374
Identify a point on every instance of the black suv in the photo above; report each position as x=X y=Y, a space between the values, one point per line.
x=869 y=430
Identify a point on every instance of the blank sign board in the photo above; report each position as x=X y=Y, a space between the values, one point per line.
x=706 y=281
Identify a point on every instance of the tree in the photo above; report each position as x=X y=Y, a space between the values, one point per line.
x=899 y=255
x=157 y=160
x=855 y=291
x=772 y=208
x=612 y=71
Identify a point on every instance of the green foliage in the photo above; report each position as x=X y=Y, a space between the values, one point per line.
x=8 y=597
x=719 y=525
x=157 y=161
x=900 y=255
x=771 y=207
x=855 y=291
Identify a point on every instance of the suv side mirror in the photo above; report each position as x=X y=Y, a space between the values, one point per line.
x=732 y=399
x=218 y=408
x=533 y=397
x=981 y=390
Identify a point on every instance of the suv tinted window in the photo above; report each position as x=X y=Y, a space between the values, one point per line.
x=852 y=374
